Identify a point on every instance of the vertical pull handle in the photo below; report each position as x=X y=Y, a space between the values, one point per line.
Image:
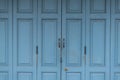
x=36 y=55
x=63 y=43
x=59 y=43
x=85 y=50
x=36 y=50
x=85 y=55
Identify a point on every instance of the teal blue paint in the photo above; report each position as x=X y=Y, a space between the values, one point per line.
x=61 y=29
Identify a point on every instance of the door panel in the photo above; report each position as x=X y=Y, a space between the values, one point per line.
x=49 y=39
x=73 y=39
x=24 y=39
x=115 y=40
x=24 y=50
x=98 y=34
x=97 y=6
x=98 y=40
x=74 y=6
x=5 y=40
x=49 y=62
x=49 y=6
x=24 y=6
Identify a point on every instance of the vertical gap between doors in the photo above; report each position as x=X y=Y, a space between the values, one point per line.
x=61 y=42
x=85 y=4
x=37 y=55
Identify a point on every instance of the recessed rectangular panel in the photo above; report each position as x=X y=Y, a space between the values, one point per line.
x=3 y=6
x=98 y=42
x=97 y=76
x=74 y=42
x=49 y=6
x=25 y=42
x=74 y=6
x=117 y=43
x=49 y=76
x=98 y=6
x=73 y=76
x=4 y=76
x=24 y=6
x=117 y=76
x=49 y=47
x=24 y=76
x=3 y=42
x=117 y=6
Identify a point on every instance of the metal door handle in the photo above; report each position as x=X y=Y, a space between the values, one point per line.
x=85 y=55
x=36 y=55
x=85 y=50
x=63 y=43
x=59 y=43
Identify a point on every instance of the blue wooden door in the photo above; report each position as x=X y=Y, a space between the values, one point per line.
x=59 y=40
x=49 y=40
x=115 y=40
x=98 y=40
x=73 y=40
x=24 y=39
x=5 y=40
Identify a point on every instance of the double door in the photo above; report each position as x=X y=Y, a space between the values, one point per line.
x=59 y=40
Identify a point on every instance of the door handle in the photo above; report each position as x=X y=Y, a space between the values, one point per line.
x=85 y=55
x=36 y=55
x=59 y=43
x=63 y=43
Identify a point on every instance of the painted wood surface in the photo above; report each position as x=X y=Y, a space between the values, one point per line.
x=61 y=29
